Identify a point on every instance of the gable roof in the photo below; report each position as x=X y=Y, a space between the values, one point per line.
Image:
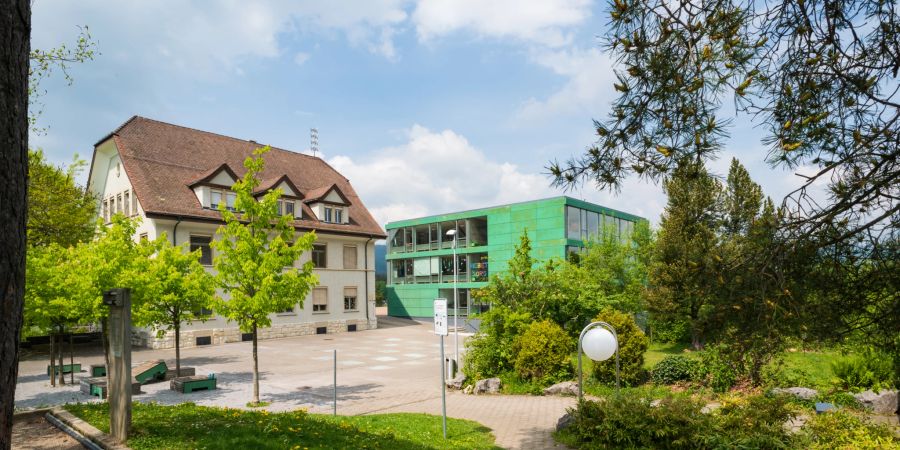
x=272 y=183
x=163 y=161
x=322 y=192
x=210 y=174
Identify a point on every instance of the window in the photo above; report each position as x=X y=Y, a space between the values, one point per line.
x=215 y=198
x=120 y=207
x=593 y=224
x=229 y=200
x=202 y=242
x=289 y=209
x=134 y=203
x=350 y=299
x=338 y=215
x=350 y=261
x=320 y=256
x=573 y=223
x=127 y=206
x=104 y=210
x=143 y=237
x=286 y=310
x=328 y=215
x=202 y=312
x=320 y=299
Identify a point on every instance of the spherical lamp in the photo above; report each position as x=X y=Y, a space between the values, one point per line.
x=599 y=344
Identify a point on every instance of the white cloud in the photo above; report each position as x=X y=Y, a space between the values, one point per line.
x=300 y=58
x=438 y=172
x=541 y=22
x=587 y=90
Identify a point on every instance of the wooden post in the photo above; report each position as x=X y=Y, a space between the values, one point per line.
x=119 y=369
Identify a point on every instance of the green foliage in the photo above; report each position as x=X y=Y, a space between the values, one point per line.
x=43 y=62
x=717 y=369
x=180 y=286
x=866 y=370
x=542 y=353
x=252 y=251
x=59 y=210
x=255 y=254
x=844 y=430
x=491 y=351
x=634 y=421
x=188 y=426
x=632 y=346
x=675 y=368
x=48 y=303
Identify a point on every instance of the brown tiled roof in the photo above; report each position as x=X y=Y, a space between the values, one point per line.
x=162 y=160
x=317 y=194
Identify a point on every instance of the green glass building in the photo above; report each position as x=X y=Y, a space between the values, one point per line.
x=420 y=253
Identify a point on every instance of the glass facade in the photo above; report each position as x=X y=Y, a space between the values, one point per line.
x=582 y=224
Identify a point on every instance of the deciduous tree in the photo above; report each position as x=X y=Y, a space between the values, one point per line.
x=59 y=210
x=255 y=254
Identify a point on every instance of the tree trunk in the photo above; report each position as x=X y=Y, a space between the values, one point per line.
x=15 y=43
x=52 y=360
x=72 y=358
x=62 y=375
x=255 y=369
x=177 y=348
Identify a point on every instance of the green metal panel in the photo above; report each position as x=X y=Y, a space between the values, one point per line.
x=544 y=219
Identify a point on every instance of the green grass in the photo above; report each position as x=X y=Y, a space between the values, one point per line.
x=657 y=351
x=810 y=369
x=188 y=426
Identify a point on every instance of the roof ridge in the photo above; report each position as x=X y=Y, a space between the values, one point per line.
x=216 y=134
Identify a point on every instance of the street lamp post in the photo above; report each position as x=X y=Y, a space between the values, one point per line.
x=598 y=341
x=453 y=234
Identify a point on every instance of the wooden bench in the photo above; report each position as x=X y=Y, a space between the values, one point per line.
x=150 y=371
x=186 y=385
x=185 y=372
x=98 y=370
x=97 y=386
x=66 y=368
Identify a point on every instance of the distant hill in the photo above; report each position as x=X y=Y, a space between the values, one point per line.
x=380 y=262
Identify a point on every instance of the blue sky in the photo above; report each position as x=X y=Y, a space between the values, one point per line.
x=426 y=106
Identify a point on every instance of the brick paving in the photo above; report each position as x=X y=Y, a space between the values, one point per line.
x=395 y=368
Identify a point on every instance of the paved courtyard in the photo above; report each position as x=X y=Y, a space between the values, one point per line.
x=395 y=368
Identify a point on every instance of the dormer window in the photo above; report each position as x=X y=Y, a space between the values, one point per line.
x=329 y=214
x=338 y=215
x=216 y=197
x=286 y=208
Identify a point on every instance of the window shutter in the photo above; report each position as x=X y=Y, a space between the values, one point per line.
x=350 y=257
x=350 y=292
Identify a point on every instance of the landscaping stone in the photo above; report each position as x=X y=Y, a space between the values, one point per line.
x=884 y=402
x=457 y=382
x=800 y=392
x=564 y=388
x=488 y=386
x=469 y=389
x=564 y=421
x=710 y=407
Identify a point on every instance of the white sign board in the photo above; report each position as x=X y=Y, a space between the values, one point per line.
x=440 y=316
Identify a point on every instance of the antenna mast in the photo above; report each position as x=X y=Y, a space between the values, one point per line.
x=314 y=141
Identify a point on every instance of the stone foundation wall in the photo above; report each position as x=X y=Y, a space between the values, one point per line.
x=148 y=338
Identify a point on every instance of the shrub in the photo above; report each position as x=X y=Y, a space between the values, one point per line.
x=543 y=353
x=490 y=352
x=840 y=429
x=632 y=346
x=628 y=421
x=674 y=368
x=866 y=370
x=716 y=370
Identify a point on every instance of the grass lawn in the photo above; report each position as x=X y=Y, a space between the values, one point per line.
x=808 y=368
x=657 y=351
x=188 y=426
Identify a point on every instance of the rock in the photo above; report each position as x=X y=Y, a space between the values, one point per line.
x=800 y=392
x=488 y=386
x=469 y=389
x=564 y=421
x=884 y=402
x=564 y=388
x=795 y=425
x=655 y=403
x=710 y=407
x=457 y=382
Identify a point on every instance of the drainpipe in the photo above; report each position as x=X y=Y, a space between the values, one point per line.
x=175 y=230
x=366 y=271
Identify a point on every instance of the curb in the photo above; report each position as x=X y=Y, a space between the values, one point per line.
x=83 y=430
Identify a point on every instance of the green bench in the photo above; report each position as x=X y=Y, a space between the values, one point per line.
x=98 y=370
x=150 y=371
x=66 y=368
x=186 y=385
x=97 y=386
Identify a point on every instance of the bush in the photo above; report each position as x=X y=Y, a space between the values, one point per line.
x=490 y=352
x=543 y=353
x=840 y=429
x=675 y=368
x=866 y=370
x=630 y=421
x=716 y=370
x=677 y=423
x=632 y=346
